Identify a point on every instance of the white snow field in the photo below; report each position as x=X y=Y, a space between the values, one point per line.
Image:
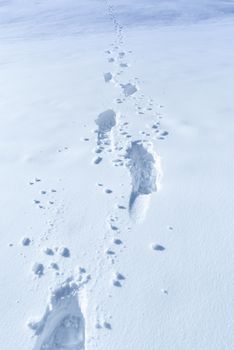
x=116 y=155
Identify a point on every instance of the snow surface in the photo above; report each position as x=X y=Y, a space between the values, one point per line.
x=116 y=151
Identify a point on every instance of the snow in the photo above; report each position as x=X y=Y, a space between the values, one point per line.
x=116 y=144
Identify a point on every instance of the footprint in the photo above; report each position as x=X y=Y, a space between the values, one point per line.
x=25 y=241
x=158 y=247
x=122 y=207
x=97 y=160
x=108 y=191
x=121 y=54
x=64 y=252
x=164 y=291
x=123 y=65
x=164 y=133
x=110 y=252
x=107 y=77
x=116 y=283
x=54 y=266
x=38 y=269
x=48 y=251
x=99 y=150
x=107 y=325
x=142 y=165
x=117 y=241
x=128 y=89
x=118 y=100
x=105 y=121
x=63 y=324
x=118 y=276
